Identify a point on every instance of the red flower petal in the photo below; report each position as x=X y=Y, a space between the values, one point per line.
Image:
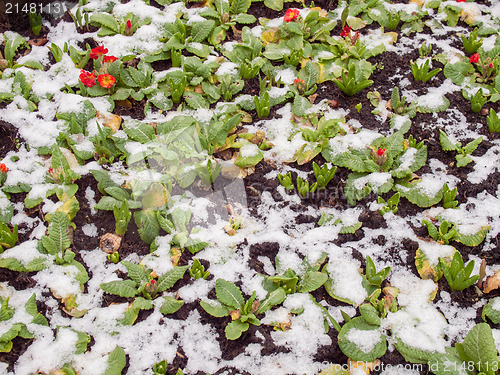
x=106 y=80
x=474 y=58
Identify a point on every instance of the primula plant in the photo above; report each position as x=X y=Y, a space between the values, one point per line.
x=230 y=302
x=145 y=286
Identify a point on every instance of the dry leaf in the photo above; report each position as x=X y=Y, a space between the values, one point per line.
x=110 y=120
x=492 y=282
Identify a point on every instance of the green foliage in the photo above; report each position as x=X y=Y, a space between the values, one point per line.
x=399 y=105
x=351 y=349
x=390 y=206
x=122 y=217
x=13 y=41
x=197 y=270
x=493 y=122
x=478 y=100
x=310 y=280
x=491 y=313
x=479 y=348
x=449 y=197
x=457 y=274
x=323 y=175
x=117 y=360
x=286 y=181
x=243 y=313
x=262 y=104
x=303 y=187
x=8 y=238
x=472 y=44
x=114 y=257
x=463 y=153
x=144 y=287
x=421 y=72
x=350 y=84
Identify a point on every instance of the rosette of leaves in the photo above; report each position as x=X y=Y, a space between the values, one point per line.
x=180 y=36
x=371 y=173
x=316 y=137
x=449 y=231
x=463 y=152
x=247 y=54
x=109 y=25
x=227 y=14
x=144 y=288
x=291 y=282
x=230 y=302
x=21 y=87
x=175 y=222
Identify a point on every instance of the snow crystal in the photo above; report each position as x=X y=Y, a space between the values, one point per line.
x=90 y=230
x=365 y=340
x=346 y=279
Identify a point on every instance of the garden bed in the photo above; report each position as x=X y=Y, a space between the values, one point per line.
x=245 y=187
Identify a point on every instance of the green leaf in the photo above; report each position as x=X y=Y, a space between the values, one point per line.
x=234 y=329
x=171 y=305
x=479 y=347
x=272 y=299
x=446 y=364
x=369 y=314
x=239 y=6
x=244 y=18
x=147 y=225
x=351 y=350
x=201 y=30
x=490 y=312
x=57 y=239
x=412 y=354
x=12 y=42
x=300 y=105
x=122 y=288
x=167 y=280
x=106 y=20
x=470 y=147
x=218 y=310
x=473 y=239
x=142 y=133
x=229 y=294
x=312 y=281
x=117 y=361
x=136 y=272
x=274 y=4
x=195 y=100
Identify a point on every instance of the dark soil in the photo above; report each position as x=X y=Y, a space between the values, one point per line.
x=256 y=184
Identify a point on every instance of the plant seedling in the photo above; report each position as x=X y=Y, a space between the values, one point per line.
x=478 y=100
x=471 y=44
x=425 y=50
x=197 y=270
x=145 y=286
x=390 y=206
x=493 y=122
x=421 y=72
x=304 y=188
x=8 y=238
x=323 y=175
x=457 y=274
x=398 y=104
x=444 y=234
x=374 y=279
x=462 y=157
x=114 y=257
x=122 y=217
x=242 y=313
x=286 y=181
x=449 y=197
x=349 y=85
x=262 y=104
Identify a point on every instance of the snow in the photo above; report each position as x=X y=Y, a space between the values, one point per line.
x=284 y=219
x=365 y=340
